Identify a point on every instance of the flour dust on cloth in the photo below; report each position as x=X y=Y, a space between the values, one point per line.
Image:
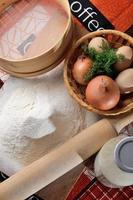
x=37 y=115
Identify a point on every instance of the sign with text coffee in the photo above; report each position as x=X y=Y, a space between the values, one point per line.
x=103 y=14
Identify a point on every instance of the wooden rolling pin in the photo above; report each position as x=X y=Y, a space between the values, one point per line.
x=55 y=164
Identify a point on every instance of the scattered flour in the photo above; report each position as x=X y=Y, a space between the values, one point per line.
x=37 y=115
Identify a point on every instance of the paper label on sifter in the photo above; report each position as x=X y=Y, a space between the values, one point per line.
x=19 y=27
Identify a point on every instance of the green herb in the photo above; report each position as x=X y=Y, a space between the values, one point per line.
x=120 y=57
x=103 y=65
x=91 y=52
x=105 y=46
x=103 y=61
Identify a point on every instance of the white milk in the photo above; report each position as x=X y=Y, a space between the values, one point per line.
x=113 y=162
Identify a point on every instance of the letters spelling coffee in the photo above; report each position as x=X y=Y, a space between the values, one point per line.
x=89 y=15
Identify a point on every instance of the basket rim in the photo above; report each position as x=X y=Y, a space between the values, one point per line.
x=127 y=108
x=102 y=32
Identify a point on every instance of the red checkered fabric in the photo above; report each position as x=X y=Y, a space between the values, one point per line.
x=88 y=187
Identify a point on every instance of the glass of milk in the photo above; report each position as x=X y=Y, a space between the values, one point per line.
x=114 y=163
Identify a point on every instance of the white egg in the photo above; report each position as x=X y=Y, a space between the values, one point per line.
x=127 y=52
x=125 y=81
x=97 y=43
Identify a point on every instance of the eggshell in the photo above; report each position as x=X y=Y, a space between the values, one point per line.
x=127 y=52
x=125 y=81
x=97 y=43
x=103 y=93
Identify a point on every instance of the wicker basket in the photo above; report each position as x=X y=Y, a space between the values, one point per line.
x=77 y=91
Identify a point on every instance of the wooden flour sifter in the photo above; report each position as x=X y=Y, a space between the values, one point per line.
x=64 y=158
x=27 y=26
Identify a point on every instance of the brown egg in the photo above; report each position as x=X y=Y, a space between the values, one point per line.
x=127 y=52
x=97 y=43
x=81 y=67
x=103 y=93
x=125 y=81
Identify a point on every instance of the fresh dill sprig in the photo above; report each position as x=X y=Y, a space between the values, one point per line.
x=102 y=61
x=103 y=65
x=91 y=52
x=105 y=46
x=120 y=57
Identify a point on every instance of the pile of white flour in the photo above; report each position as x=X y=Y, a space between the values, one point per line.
x=36 y=115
